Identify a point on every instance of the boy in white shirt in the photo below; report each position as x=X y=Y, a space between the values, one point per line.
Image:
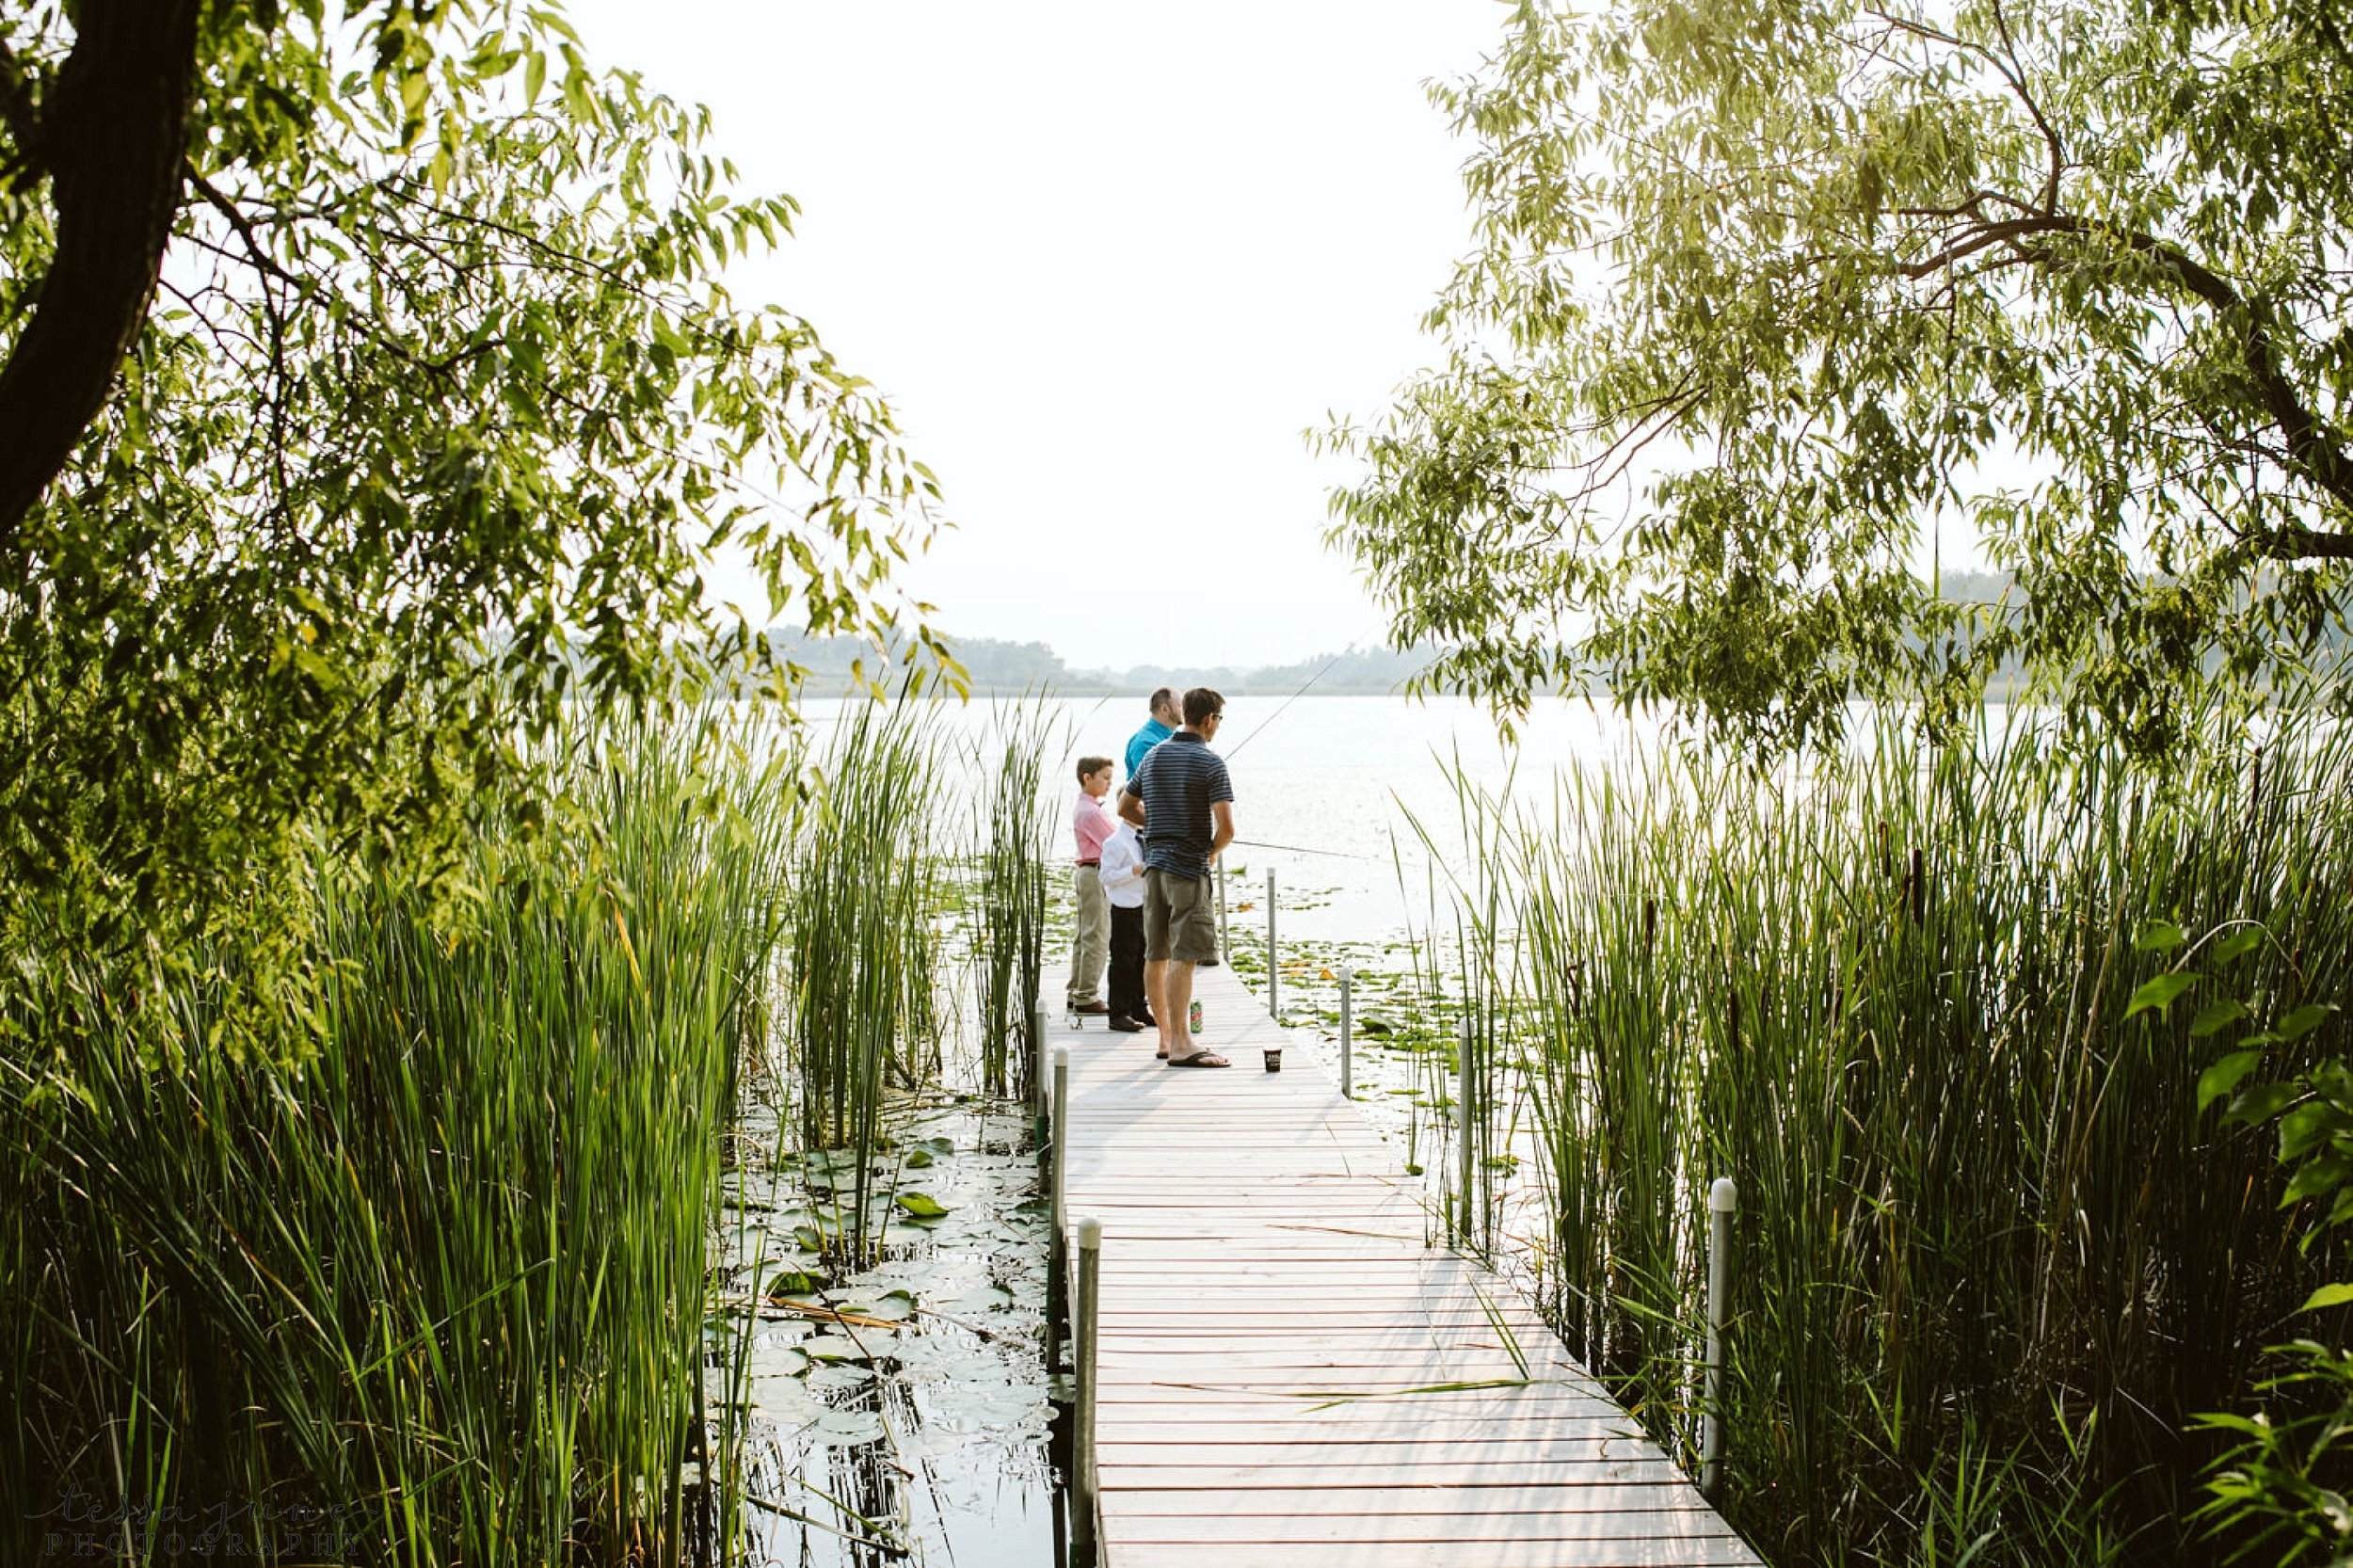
x=1123 y=886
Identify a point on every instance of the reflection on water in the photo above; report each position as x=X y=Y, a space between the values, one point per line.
x=898 y=1413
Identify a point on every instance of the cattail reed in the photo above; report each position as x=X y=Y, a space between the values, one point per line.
x=1996 y=1260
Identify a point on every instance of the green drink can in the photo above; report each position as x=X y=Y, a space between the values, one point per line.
x=1193 y=1016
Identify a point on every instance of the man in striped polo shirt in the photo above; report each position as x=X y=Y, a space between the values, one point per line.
x=1183 y=800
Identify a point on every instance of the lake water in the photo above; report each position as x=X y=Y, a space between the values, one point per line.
x=1328 y=789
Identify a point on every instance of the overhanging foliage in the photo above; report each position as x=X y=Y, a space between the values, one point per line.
x=1764 y=289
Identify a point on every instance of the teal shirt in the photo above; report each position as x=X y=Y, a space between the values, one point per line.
x=1143 y=739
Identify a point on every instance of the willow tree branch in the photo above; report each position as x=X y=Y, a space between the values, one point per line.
x=2314 y=450
x=115 y=135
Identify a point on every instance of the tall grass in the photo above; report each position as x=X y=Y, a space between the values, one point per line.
x=861 y=938
x=1013 y=828
x=435 y=1295
x=1480 y=1092
x=1992 y=1259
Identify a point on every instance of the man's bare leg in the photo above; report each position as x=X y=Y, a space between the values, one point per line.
x=1176 y=1024
x=1155 y=992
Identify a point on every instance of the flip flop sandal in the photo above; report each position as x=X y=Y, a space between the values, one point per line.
x=1199 y=1059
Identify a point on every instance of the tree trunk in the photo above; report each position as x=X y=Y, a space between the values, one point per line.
x=114 y=143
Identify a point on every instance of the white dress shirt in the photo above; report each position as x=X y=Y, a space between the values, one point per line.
x=1123 y=867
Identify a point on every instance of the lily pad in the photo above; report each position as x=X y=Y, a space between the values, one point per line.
x=841 y=1347
x=989 y=1297
x=920 y=1205
x=844 y=1427
x=787 y=1283
x=891 y=1306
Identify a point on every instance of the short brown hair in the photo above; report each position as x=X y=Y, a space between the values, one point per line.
x=1090 y=766
x=1202 y=703
x=1163 y=697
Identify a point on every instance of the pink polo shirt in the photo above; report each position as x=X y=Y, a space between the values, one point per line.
x=1093 y=824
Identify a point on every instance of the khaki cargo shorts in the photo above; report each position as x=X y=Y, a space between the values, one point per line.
x=1178 y=922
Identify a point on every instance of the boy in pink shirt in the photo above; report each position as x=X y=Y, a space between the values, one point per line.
x=1089 y=942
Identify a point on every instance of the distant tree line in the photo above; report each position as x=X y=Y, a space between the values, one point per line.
x=994 y=667
x=997 y=668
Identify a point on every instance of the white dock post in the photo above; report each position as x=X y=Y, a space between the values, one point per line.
x=1462 y=1123
x=1061 y=1133
x=1274 y=977
x=1037 y=1053
x=1348 y=1033
x=1224 y=928
x=1723 y=1200
x=1088 y=1336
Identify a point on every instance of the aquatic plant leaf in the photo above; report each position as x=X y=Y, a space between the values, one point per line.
x=2159 y=992
x=923 y=1205
x=2213 y=1016
x=2261 y=1103
x=2303 y=1021
x=837 y=1428
x=838 y=1377
x=2328 y=1295
x=889 y=1306
x=774 y=1363
x=989 y=1297
x=795 y=1282
x=2223 y=1077
x=2305 y=1129
x=2237 y=945
x=2324 y=1174
x=839 y=1347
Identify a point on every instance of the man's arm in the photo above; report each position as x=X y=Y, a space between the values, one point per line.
x=1221 y=812
x=1131 y=809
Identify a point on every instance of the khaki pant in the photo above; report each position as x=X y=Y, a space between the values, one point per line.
x=1090 y=943
x=1179 y=918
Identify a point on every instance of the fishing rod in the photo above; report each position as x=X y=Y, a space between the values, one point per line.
x=1286 y=703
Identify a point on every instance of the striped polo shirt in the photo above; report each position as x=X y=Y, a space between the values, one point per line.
x=1179 y=780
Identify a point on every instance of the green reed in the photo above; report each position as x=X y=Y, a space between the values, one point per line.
x=443 y=1279
x=1481 y=1091
x=1013 y=827
x=862 y=941
x=1991 y=1258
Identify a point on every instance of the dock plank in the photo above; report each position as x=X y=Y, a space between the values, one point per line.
x=1290 y=1373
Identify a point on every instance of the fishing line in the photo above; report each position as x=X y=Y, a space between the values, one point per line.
x=1301 y=849
x=1295 y=849
x=1286 y=703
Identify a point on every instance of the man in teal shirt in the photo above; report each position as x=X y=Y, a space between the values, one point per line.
x=1158 y=729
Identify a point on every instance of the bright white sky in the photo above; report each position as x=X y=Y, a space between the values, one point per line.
x=1108 y=262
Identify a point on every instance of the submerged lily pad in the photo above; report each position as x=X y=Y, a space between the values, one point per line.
x=774 y=1361
x=989 y=1297
x=841 y=1347
x=837 y=1428
x=891 y=1305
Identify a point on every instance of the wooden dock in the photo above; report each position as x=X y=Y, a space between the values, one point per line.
x=1290 y=1377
